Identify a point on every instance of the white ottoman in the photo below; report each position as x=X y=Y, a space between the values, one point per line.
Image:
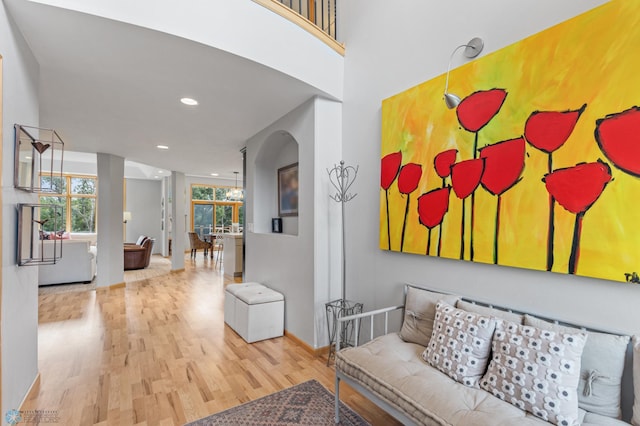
x=230 y=301
x=259 y=313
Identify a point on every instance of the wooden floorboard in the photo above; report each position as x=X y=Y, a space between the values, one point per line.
x=158 y=353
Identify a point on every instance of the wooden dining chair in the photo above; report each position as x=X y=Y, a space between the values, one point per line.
x=196 y=243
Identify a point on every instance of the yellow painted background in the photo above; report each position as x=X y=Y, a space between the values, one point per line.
x=593 y=58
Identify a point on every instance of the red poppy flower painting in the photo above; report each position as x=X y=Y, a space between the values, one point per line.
x=548 y=131
x=618 y=136
x=409 y=178
x=408 y=181
x=576 y=189
x=432 y=206
x=504 y=163
x=476 y=110
x=443 y=162
x=465 y=178
x=389 y=169
x=542 y=152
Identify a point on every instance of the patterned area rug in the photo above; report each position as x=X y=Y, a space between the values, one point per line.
x=308 y=404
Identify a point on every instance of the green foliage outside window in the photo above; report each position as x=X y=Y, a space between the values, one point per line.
x=77 y=204
x=211 y=209
x=201 y=192
x=50 y=223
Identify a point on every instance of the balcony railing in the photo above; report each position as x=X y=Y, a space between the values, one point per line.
x=320 y=12
x=318 y=17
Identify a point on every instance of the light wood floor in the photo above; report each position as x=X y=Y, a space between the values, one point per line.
x=158 y=353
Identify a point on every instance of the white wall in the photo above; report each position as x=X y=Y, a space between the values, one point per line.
x=144 y=201
x=298 y=265
x=19 y=311
x=259 y=35
x=281 y=261
x=394 y=46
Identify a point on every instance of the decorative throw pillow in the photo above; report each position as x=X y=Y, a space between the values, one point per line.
x=490 y=312
x=636 y=381
x=602 y=366
x=460 y=343
x=419 y=310
x=536 y=370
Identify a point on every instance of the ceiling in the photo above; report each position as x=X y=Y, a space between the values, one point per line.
x=115 y=88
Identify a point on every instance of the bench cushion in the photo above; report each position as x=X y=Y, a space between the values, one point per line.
x=393 y=370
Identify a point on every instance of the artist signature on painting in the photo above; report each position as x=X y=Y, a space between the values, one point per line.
x=632 y=277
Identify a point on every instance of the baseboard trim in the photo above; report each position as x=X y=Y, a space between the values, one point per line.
x=34 y=386
x=112 y=287
x=175 y=271
x=315 y=352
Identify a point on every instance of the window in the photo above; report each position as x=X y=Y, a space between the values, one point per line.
x=210 y=209
x=77 y=202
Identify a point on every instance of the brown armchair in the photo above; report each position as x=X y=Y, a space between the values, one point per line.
x=137 y=256
x=196 y=243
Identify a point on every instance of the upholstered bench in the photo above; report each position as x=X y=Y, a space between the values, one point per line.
x=254 y=311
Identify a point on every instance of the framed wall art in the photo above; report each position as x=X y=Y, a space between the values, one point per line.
x=288 y=190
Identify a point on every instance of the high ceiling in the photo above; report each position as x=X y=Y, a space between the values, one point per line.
x=110 y=87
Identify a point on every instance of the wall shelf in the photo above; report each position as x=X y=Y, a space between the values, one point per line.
x=39 y=154
x=35 y=245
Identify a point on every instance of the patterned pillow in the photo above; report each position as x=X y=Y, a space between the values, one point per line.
x=460 y=343
x=601 y=366
x=536 y=370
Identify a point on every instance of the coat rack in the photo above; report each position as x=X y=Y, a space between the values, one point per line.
x=342 y=177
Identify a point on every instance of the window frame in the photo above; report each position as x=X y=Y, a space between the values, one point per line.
x=214 y=203
x=68 y=196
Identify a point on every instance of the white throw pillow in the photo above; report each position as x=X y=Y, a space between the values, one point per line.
x=419 y=310
x=602 y=366
x=536 y=370
x=636 y=381
x=460 y=343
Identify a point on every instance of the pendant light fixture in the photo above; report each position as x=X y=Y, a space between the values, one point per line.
x=235 y=194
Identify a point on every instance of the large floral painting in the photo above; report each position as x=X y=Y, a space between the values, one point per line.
x=539 y=165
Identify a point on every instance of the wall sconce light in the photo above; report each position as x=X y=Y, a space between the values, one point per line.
x=126 y=217
x=472 y=49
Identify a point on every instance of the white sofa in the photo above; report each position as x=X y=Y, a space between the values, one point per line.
x=398 y=373
x=78 y=263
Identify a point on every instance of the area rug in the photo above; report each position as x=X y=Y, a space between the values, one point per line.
x=306 y=404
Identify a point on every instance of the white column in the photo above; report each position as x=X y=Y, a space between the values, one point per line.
x=110 y=208
x=179 y=214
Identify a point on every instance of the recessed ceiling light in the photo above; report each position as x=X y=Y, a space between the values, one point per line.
x=189 y=101
x=162 y=147
x=27 y=157
x=160 y=172
x=215 y=174
x=156 y=177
